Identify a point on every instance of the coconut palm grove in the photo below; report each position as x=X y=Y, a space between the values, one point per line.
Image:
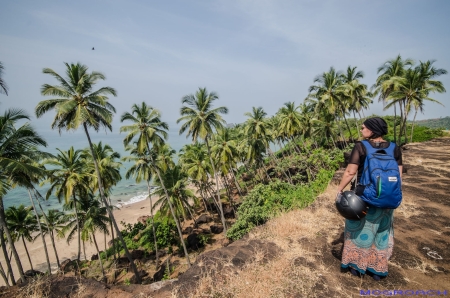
x=237 y=176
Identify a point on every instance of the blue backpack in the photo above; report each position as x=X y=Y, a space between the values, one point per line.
x=380 y=183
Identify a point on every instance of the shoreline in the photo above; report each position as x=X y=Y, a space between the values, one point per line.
x=128 y=213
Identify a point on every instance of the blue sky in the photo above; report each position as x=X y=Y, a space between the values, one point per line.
x=252 y=53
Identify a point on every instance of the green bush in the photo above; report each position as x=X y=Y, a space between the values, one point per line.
x=265 y=201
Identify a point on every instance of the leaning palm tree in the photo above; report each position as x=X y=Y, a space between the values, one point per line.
x=148 y=128
x=142 y=169
x=54 y=222
x=200 y=120
x=77 y=104
x=109 y=171
x=180 y=197
x=3 y=86
x=23 y=224
x=15 y=147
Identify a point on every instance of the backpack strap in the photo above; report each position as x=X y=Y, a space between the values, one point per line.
x=371 y=150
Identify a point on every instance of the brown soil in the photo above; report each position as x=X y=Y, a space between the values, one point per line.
x=310 y=243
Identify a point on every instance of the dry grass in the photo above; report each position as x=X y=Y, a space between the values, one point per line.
x=38 y=287
x=295 y=272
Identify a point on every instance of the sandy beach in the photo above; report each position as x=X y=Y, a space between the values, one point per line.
x=127 y=213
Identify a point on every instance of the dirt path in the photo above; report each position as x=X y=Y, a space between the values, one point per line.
x=421 y=257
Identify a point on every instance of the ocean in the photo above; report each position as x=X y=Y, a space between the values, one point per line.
x=127 y=191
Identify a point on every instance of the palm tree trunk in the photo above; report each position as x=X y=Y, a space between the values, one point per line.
x=412 y=126
x=5 y=255
x=99 y=257
x=102 y=196
x=28 y=254
x=222 y=217
x=235 y=180
x=346 y=123
x=10 y=242
x=2 y=273
x=78 y=225
x=395 y=124
x=180 y=234
x=357 y=125
x=401 y=122
x=112 y=235
x=49 y=268
x=84 y=250
x=52 y=238
x=153 y=225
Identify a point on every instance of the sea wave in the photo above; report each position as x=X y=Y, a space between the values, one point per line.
x=139 y=197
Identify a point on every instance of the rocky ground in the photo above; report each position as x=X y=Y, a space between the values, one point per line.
x=298 y=253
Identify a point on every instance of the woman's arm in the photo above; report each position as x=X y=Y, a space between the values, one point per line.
x=348 y=175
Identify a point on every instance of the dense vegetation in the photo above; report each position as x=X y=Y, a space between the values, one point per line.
x=267 y=165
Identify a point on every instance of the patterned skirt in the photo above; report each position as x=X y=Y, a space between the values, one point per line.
x=368 y=243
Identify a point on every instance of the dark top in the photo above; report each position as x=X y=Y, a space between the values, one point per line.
x=358 y=155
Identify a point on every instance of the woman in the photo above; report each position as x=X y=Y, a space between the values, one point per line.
x=368 y=243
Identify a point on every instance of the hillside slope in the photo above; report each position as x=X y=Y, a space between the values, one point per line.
x=298 y=253
x=310 y=243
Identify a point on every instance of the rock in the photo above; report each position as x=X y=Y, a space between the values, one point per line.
x=228 y=212
x=187 y=230
x=67 y=265
x=238 y=253
x=203 y=219
x=33 y=273
x=216 y=229
x=160 y=273
x=137 y=254
x=143 y=219
x=194 y=241
x=122 y=263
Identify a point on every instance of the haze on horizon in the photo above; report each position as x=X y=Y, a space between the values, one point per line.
x=252 y=53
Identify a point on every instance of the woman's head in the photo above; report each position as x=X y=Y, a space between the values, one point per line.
x=374 y=128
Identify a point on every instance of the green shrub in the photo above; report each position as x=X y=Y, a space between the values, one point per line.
x=265 y=201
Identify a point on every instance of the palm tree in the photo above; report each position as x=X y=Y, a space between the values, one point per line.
x=23 y=224
x=388 y=81
x=142 y=169
x=258 y=132
x=90 y=216
x=195 y=162
x=67 y=176
x=149 y=129
x=15 y=147
x=428 y=73
x=3 y=86
x=225 y=151
x=109 y=171
x=330 y=94
x=358 y=95
x=199 y=120
x=54 y=222
x=77 y=104
x=180 y=197
x=415 y=87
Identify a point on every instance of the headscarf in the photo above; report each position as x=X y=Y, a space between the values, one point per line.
x=377 y=125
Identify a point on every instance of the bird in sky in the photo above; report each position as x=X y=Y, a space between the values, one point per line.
x=93 y=48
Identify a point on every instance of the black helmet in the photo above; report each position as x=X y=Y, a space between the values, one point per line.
x=351 y=206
